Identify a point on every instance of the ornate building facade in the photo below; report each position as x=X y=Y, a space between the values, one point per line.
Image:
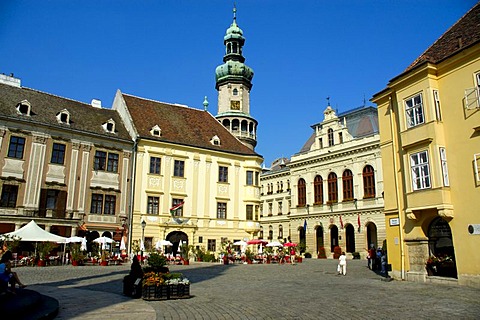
x=332 y=189
x=63 y=163
x=429 y=120
x=186 y=159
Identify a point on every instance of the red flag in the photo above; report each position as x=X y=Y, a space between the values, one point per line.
x=359 y=220
x=341 y=222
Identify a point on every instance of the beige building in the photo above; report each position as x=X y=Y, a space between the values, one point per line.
x=63 y=163
x=332 y=190
x=186 y=158
x=429 y=118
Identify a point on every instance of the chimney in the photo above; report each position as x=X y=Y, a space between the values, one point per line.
x=10 y=80
x=96 y=103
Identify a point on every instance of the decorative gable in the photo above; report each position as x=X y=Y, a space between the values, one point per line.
x=63 y=117
x=109 y=126
x=215 y=140
x=24 y=108
x=156 y=131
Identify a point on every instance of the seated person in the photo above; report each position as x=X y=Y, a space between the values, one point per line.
x=6 y=273
x=136 y=272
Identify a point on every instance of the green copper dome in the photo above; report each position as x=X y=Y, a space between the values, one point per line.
x=234 y=32
x=233 y=69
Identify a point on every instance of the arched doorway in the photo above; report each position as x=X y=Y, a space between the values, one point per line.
x=319 y=238
x=440 y=245
x=333 y=237
x=350 y=238
x=372 y=235
x=175 y=237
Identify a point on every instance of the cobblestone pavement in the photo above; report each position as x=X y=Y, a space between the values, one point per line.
x=309 y=290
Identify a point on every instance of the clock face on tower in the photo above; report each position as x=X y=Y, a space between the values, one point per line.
x=235 y=105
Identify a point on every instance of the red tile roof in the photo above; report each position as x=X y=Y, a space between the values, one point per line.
x=182 y=125
x=464 y=33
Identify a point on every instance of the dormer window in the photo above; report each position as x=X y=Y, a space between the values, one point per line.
x=235 y=92
x=63 y=116
x=156 y=131
x=109 y=126
x=24 y=107
x=215 y=141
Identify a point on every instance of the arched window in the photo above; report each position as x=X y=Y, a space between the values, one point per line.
x=318 y=190
x=270 y=233
x=235 y=92
x=330 y=137
x=302 y=193
x=347 y=179
x=332 y=188
x=368 y=182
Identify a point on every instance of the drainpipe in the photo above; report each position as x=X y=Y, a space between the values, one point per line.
x=132 y=194
x=397 y=194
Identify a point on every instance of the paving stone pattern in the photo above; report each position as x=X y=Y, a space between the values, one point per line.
x=309 y=290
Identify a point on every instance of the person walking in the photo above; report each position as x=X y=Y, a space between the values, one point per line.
x=342 y=264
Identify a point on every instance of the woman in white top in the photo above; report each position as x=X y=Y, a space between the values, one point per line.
x=342 y=264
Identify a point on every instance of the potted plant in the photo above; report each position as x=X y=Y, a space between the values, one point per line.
x=184 y=251
x=249 y=256
x=44 y=249
x=104 y=258
x=321 y=253
x=337 y=251
x=76 y=255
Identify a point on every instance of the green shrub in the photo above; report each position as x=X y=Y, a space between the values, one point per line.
x=156 y=262
x=308 y=255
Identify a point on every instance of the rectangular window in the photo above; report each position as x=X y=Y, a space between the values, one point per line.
x=155 y=165
x=270 y=209
x=249 y=212
x=112 y=165
x=52 y=196
x=100 y=161
x=414 y=111
x=58 y=153
x=476 y=160
x=436 y=101
x=15 y=149
x=340 y=137
x=179 y=211
x=97 y=203
x=249 y=178
x=420 y=170
x=9 y=196
x=280 y=208
x=212 y=245
x=221 y=210
x=443 y=162
x=178 y=168
x=222 y=174
x=320 y=143
x=110 y=201
x=153 y=205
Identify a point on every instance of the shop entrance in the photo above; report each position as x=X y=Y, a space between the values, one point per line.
x=442 y=252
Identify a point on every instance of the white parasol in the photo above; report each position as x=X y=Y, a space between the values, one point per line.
x=103 y=241
x=83 y=246
x=274 y=244
x=122 y=244
x=161 y=243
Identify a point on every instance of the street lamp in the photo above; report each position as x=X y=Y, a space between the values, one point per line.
x=142 y=245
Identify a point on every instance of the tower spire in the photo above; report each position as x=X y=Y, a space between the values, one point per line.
x=234 y=11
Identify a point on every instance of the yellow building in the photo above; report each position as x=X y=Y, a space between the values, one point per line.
x=203 y=164
x=429 y=119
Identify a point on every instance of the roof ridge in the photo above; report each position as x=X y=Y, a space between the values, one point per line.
x=157 y=101
x=65 y=98
x=423 y=55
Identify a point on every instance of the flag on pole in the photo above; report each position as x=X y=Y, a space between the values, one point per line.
x=359 y=220
x=341 y=222
x=176 y=207
x=305 y=225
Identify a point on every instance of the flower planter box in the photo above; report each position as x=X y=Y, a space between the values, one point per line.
x=155 y=292
x=178 y=291
x=165 y=292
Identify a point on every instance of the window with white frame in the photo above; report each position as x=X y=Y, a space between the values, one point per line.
x=436 y=101
x=476 y=161
x=443 y=162
x=420 y=170
x=414 y=111
x=153 y=204
x=221 y=210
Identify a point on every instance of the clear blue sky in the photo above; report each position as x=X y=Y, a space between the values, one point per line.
x=301 y=52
